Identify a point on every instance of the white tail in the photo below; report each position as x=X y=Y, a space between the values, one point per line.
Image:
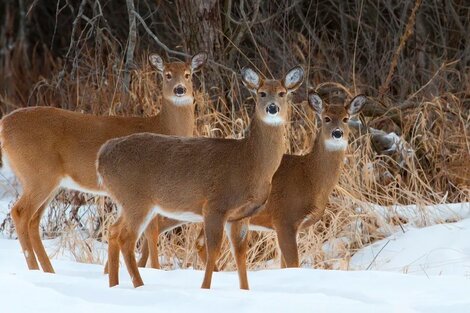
x=218 y=181
x=50 y=148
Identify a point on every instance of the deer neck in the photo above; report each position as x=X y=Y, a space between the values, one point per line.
x=265 y=143
x=324 y=166
x=174 y=119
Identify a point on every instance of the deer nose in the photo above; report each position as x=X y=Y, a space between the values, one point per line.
x=180 y=90
x=272 y=109
x=337 y=134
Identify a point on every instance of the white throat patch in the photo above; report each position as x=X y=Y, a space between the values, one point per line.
x=336 y=144
x=274 y=120
x=181 y=101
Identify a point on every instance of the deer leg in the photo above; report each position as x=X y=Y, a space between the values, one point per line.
x=160 y=225
x=213 y=228
x=151 y=238
x=201 y=249
x=22 y=213
x=127 y=239
x=287 y=238
x=237 y=232
x=36 y=239
x=144 y=252
x=112 y=265
x=21 y=216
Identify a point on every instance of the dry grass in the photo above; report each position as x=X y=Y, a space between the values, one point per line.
x=436 y=129
x=428 y=78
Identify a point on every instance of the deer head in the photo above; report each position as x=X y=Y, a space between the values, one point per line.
x=334 y=120
x=271 y=95
x=177 y=85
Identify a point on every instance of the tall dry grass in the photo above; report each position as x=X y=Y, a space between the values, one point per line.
x=436 y=170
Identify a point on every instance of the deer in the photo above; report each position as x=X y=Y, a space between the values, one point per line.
x=216 y=181
x=302 y=184
x=50 y=148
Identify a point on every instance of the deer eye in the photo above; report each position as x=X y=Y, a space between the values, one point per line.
x=186 y=75
x=282 y=94
x=327 y=119
x=262 y=94
x=168 y=76
x=345 y=120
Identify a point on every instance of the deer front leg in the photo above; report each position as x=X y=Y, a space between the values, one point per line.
x=213 y=227
x=287 y=238
x=237 y=232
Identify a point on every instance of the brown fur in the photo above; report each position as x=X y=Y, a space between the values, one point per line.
x=44 y=145
x=218 y=180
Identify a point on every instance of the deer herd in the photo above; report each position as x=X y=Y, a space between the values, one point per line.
x=161 y=177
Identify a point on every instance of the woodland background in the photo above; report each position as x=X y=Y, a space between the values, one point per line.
x=412 y=58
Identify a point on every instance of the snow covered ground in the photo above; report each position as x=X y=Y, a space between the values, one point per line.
x=419 y=267
x=438 y=254
x=442 y=249
x=83 y=288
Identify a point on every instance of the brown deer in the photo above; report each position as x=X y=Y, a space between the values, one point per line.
x=210 y=180
x=301 y=185
x=48 y=148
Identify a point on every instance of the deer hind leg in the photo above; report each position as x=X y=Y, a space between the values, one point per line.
x=157 y=226
x=134 y=222
x=237 y=232
x=36 y=239
x=112 y=265
x=144 y=252
x=201 y=249
x=214 y=229
x=150 y=245
x=287 y=238
x=127 y=240
x=34 y=195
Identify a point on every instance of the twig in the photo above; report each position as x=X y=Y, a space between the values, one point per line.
x=131 y=42
x=171 y=51
x=403 y=39
x=375 y=257
x=355 y=47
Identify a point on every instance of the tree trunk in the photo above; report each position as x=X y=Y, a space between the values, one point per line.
x=200 y=24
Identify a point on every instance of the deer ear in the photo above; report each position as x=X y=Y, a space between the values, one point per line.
x=315 y=102
x=157 y=62
x=356 y=104
x=250 y=79
x=198 y=61
x=293 y=78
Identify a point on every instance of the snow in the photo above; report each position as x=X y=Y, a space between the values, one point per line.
x=438 y=256
x=422 y=265
x=442 y=249
x=80 y=287
x=414 y=215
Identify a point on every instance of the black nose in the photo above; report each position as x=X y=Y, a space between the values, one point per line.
x=272 y=109
x=179 y=90
x=337 y=133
